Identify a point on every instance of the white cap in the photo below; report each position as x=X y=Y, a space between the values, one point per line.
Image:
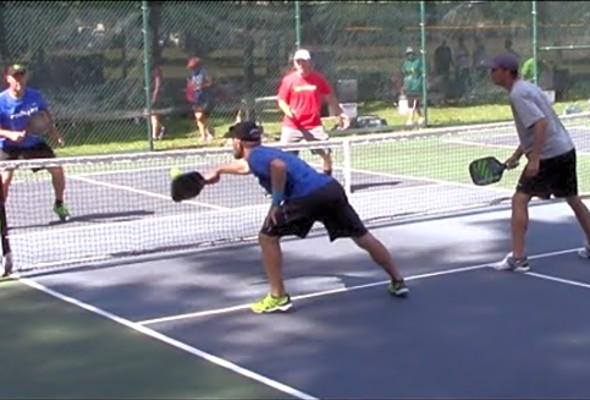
x=409 y=50
x=302 y=54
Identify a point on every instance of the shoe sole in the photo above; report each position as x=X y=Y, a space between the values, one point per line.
x=282 y=308
x=511 y=269
x=522 y=269
x=400 y=293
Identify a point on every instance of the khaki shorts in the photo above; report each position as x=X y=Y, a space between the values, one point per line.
x=290 y=135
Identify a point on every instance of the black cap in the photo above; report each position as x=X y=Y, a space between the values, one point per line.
x=16 y=69
x=246 y=131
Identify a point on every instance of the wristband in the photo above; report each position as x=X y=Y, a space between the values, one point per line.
x=277 y=197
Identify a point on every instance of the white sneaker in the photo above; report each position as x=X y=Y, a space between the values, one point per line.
x=584 y=252
x=420 y=121
x=510 y=263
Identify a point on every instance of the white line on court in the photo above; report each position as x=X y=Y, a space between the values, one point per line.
x=559 y=280
x=144 y=192
x=475 y=143
x=417 y=178
x=172 y=342
x=341 y=290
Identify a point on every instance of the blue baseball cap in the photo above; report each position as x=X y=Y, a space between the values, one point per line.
x=506 y=61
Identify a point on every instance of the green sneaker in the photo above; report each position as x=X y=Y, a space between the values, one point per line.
x=62 y=212
x=272 y=304
x=398 y=288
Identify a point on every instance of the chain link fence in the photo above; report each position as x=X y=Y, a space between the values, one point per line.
x=461 y=36
x=95 y=62
x=86 y=59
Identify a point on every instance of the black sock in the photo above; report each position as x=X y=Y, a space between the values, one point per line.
x=328 y=172
x=59 y=202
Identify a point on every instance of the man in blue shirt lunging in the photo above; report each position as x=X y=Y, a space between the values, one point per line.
x=17 y=104
x=301 y=196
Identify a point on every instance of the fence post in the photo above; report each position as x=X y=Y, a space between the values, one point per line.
x=424 y=66
x=535 y=39
x=147 y=73
x=297 y=24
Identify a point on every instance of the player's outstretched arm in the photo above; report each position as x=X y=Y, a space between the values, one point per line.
x=238 y=167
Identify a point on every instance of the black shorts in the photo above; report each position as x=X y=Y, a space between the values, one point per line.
x=328 y=205
x=203 y=103
x=41 y=150
x=557 y=176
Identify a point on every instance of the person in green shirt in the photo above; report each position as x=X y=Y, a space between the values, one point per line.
x=527 y=71
x=412 y=77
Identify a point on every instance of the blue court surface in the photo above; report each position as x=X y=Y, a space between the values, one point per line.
x=465 y=331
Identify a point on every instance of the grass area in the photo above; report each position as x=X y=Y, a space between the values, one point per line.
x=128 y=136
x=55 y=350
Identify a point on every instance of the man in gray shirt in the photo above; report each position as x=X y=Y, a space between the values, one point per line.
x=550 y=153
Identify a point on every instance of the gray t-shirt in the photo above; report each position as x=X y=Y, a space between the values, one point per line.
x=529 y=104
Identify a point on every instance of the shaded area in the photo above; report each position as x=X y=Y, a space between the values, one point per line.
x=54 y=350
x=479 y=334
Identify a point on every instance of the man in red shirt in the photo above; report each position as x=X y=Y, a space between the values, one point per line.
x=300 y=98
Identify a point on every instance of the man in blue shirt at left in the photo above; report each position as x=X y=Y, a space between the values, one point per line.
x=17 y=104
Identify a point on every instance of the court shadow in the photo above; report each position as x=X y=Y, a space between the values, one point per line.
x=90 y=218
x=107 y=217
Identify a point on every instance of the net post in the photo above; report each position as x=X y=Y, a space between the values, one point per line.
x=7 y=263
x=347 y=166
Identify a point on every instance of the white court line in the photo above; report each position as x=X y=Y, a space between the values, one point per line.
x=474 y=143
x=420 y=178
x=341 y=290
x=559 y=280
x=172 y=342
x=145 y=192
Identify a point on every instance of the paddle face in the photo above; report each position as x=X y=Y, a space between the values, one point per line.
x=38 y=124
x=485 y=171
x=186 y=186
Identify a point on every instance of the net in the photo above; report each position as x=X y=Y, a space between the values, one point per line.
x=121 y=204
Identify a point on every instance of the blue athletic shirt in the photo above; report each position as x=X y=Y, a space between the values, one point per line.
x=301 y=180
x=14 y=114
